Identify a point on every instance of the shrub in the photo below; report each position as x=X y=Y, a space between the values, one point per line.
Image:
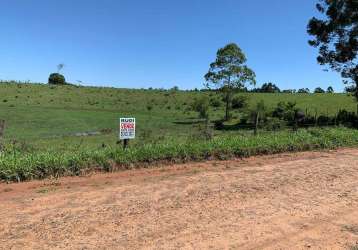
x=274 y=124
x=244 y=120
x=239 y=102
x=347 y=118
x=287 y=111
x=215 y=102
x=56 y=79
x=201 y=106
x=149 y=107
x=219 y=125
x=323 y=120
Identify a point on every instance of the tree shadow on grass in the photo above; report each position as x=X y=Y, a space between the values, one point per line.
x=235 y=127
x=192 y=122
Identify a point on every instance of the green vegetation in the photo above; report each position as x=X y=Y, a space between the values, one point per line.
x=18 y=166
x=50 y=117
x=335 y=36
x=56 y=79
x=54 y=130
x=228 y=73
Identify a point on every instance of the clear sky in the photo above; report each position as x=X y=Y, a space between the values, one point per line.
x=157 y=43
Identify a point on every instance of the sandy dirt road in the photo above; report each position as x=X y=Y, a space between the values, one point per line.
x=289 y=201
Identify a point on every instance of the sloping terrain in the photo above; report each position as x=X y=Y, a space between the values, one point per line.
x=45 y=116
x=290 y=201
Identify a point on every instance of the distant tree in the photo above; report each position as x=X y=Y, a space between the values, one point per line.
x=336 y=36
x=351 y=89
x=289 y=91
x=319 y=90
x=57 y=79
x=304 y=91
x=229 y=72
x=256 y=90
x=330 y=89
x=175 y=88
x=243 y=90
x=270 y=88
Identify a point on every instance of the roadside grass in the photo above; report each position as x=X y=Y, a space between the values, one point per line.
x=22 y=166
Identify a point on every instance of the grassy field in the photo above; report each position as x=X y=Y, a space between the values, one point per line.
x=45 y=125
x=46 y=116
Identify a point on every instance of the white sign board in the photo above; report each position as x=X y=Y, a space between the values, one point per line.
x=126 y=128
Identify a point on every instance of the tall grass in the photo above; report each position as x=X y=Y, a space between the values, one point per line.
x=20 y=166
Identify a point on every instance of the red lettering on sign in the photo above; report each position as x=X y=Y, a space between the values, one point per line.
x=127 y=126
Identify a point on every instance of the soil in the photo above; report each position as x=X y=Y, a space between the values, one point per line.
x=289 y=201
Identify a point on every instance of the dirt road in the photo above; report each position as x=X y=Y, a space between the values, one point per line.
x=290 y=201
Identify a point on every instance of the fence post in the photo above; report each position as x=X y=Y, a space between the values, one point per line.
x=256 y=122
x=125 y=143
x=315 y=118
x=2 y=131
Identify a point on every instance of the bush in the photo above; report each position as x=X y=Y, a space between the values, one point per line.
x=274 y=124
x=149 y=107
x=219 y=125
x=215 y=102
x=201 y=106
x=347 y=118
x=286 y=111
x=240 y=102
x=244 y=120
x=324 y=120
x=56 y=79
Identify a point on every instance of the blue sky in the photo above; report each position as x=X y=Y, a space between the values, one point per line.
x=158 y=43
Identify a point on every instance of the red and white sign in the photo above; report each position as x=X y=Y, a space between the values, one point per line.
x=126 y=128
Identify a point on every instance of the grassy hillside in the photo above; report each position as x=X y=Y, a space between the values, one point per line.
x=52 y=116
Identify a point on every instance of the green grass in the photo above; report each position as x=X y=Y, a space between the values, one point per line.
x=46 y=116
x=44 y=120
x=19 y=166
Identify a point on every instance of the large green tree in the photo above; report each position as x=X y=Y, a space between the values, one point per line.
x=336 y=36
x=229 y=73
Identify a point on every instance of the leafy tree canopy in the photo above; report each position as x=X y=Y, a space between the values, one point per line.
x=270 y=88
x=319 y=90
x=304 y=91
x=330 y=89
x=56 y=78
x=336 y=36
x=229 y=72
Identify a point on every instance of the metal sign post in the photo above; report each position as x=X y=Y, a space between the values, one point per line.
x=126 y=130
